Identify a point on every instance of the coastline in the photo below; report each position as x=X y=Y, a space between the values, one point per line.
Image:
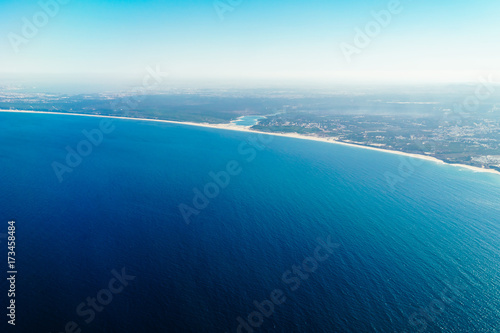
x=238 y=128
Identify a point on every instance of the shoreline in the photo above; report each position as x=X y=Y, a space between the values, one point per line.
x=247 y=129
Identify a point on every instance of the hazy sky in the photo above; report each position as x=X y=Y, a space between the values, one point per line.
x=256 y=39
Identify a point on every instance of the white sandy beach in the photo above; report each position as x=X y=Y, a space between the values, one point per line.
x=233 y=127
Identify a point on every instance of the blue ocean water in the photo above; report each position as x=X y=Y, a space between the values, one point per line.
x=421 y=256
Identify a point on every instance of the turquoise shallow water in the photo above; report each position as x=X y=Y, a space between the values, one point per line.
x=420 y=257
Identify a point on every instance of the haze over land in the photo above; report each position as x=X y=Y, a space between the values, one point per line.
x=251 y=165
x=454 y=123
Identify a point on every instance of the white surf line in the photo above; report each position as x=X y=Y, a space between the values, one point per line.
x=233 y=127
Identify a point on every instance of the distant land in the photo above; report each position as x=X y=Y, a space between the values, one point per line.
x=435 y=123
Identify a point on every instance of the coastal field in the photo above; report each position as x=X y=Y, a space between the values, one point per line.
x=216 y=228
x=233 y=166
x=233 y=127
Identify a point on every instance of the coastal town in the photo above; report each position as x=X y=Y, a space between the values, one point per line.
x=472 y=141
x=434 y=128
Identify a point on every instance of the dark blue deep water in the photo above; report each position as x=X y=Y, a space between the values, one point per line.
x=421 y=256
